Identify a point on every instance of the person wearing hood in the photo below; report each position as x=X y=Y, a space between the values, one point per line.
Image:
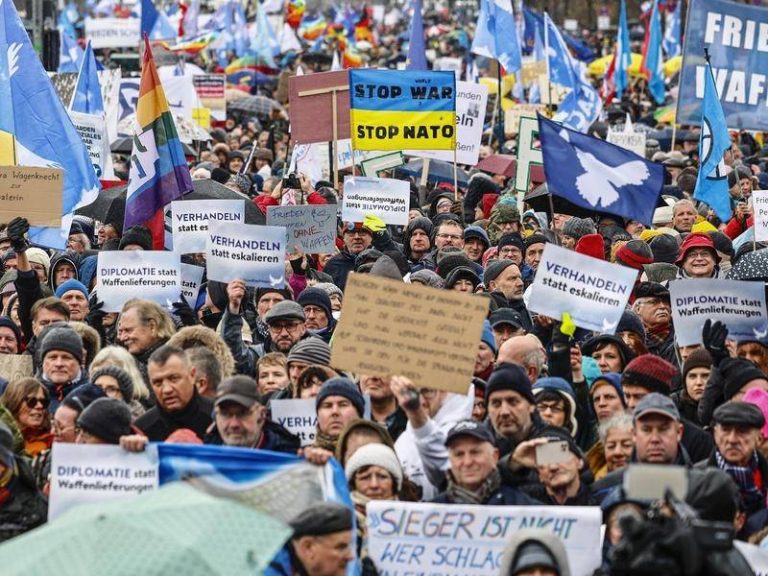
x=64 y=267
x=318 y=314
x=504 y=277
x=534 y=552
x=357 y=238
x=476 y=242
x=607 y=400
x=505 y=218
x=417 y=244
x=480 y=184
x=556 y=403
x=462 y=279
x=696 y=370
x=60 y=354
x=698 y=257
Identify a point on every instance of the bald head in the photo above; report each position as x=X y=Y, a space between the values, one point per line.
x=527 y=351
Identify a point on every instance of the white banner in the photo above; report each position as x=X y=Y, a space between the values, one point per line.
x=471 y=102
x=739 y=305
x=113 y=32
x=92 y=473
x=760 y=214
x=592 y=291
x=191 y=278
x=190 y=221
x=313 y=160
x=386 y=198
x=181 y=95
x=298 y=416
x=448 y=540
x=123 y=275
x=632 y=141
x=110 y=92
x=92 y=129
x=310 y=228
x=756 y=557
x=255 y=254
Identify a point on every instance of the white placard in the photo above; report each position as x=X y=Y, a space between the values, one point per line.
x=571 y=25
x=471 y=102
x=310 y=228
x=190 y=220
x=298 y=416
x=92 y=129
x=255 y=254
x=92 y=473
x=592 y=291
x=110 y=92
x=113 y=32
x=313 y=160
x=128 y=274
x=387 y=198
x=760 y=214
x=603 y=22
x=527 y=155
x=181 y=95
x=632 y=141
x=756 y=557
x=739 y=305
x=191 y=278
x=449 y=540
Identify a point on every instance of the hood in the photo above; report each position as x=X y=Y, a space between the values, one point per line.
x=71 y=258
x=544 y=537
x=193 y=336
x=502 y=213
x=420 y=223
x=87 y=271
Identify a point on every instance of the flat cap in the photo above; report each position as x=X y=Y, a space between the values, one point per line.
x=322 y=519
x=285 y=310
x=739 y=414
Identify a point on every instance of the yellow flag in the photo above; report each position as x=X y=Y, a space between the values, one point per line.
x=7 y=149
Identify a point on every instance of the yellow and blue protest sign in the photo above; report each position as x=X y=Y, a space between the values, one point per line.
x=397 y=110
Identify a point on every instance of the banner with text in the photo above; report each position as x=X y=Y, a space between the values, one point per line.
x=255 y=254
x=92 y=129
x=739 y=305
x=210 y=91
x=298 y=416
x=760 y=214
x=387 y=198
x=33 y=192
x=448 y=540
x=592 y=291
x=310 y=228
x=113 y=32
x=191 y=217
x=191 y=279
x=629 y=140
x=154 y=276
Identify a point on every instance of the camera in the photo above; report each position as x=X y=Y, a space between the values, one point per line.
x=292 y=182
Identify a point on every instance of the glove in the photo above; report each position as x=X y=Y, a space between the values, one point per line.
x=17 y=229
x=95 y=317
x=713 y=336
x=184 y=312
x=568 y=327
x=458 y=209
x=374 y=223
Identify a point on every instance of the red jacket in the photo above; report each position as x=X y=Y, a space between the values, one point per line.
x=736 y=228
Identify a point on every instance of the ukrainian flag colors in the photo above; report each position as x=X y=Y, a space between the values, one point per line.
x=159 y=172
x=396 y=110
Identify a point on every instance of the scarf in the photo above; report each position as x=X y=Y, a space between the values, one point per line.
x=325 y=441
x=262 y=329
x=748 y=479
x=658 y=335
x=36 y=440
x=459 y=495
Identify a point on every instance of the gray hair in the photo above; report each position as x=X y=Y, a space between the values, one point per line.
x=621 y=420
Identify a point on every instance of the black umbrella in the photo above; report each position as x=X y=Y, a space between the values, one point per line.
x=439 y=171
x=124 y=145
x=751 y=266
x=255 y=105
x=538 y=200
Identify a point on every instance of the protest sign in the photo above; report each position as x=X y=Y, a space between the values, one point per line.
x=512 y=116
x=735 y=35
x=527 y=154
x=739 y=305
x=151 y=275
x=441 y=540
x=92 y=129
x=210 y=91
x=471 y=102
x=382 y=164
x=592 y=291
x=298 y=416
x=310 y=228
x=190 y=220
x=113 y=32
x=386 y=198
x=629 y=140
x=316 y=100
x=110 y=80
x=756 y=557
x=191 y=278
x=255 y=254
x=89 y=473
x=390 y=328
x=397 y=110
x=15 y=366
x=314 y=160
x=181 y=95
x=760 y=214
x=32 y=192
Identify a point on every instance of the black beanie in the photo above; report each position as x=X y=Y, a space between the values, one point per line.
x=665 y=248
x=535 y=239
x=736 y=372
x=509 y=376
x=123 y=380
x=6 y=322
x=106 y=418
x=139 y=235
x=512 y=239
x=317 y=297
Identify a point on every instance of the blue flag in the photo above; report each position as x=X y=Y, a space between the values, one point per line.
x=598 y=175
x=623 y=53
x=87 y=97
x=70 y=53
x=417 y=57
x=653 y=63
x=149 y=15
x=559 y=62
x=31 y=111
x=714 y=141
x=495 y=34
x=671 y=42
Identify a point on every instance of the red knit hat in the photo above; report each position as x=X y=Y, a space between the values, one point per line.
x=651 y=372
x=696 y=240
x=591 y=245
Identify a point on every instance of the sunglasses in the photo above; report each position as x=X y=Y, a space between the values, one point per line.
x=33 y=401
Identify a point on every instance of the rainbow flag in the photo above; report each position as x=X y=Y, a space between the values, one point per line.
x=159 y=172
x=193 y=45
x=351 y=58
x=294 y=12
x=312 y=28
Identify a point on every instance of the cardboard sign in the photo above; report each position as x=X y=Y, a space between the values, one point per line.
x=210 y=91
x=90 y=473
x=739 y=305
x=592 y=291
x=397 y=110
x=32 y=192
x=255 y=254
x=390 y=328
x=471 y=103
x=113 y=32
x=311 y=101
x=760 y=214
x=309 y=228
x=191 y=278
x=190 y=220
x=527 y=155
x=92 y=129
x=298 y=416
x=512 y=116
x=410 y=537
x=386 y=198
x=15 y=366
x=632 y=141
x=151 y=275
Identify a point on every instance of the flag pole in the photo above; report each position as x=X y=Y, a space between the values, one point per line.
x=549 y=108
x=498 y=106
x=455 y=177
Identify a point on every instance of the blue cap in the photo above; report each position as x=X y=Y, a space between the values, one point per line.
x=70 y=285
x=488 y=336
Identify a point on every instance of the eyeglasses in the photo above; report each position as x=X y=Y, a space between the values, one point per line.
x=699 y=254
x=32 y=401
x=288 y=327
x=555 y=408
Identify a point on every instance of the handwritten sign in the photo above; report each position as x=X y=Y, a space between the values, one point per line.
x=428 y=335
x=191 y=217
x=739 y=305
x=255 y=254
x=760 y=214
x=309 y=228
x=124 y=275
x=629 y=140
x=386 y=198
x=191 y=278
x=447 y=540
x=512 y=116
x=592 y=291
x=32 y=192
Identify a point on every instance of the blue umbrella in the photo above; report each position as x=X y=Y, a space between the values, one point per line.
x=439 y=171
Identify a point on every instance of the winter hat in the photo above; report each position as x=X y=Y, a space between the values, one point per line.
x=477 y=232
x=6 y=322
x=509 y=376
x=341 y=386
x=139 y=235
x=565 y=390
x=310 y=350
x=696 y=240
x=697 y=359
x=651 y=372
x=62 y=337
x=634 y=254
x=722 y=243
x=317 y=297
x=330 y=288
x=69 y=285
x=123 y=380
x=630 y=322
x=495 y=269
x=535 y=238
x=512 y=239
x=736 y=372
x=39 y=256
x=379 y=455
x=106 y=418
x=261 y=292
x=488 y=337
x=591 y=345
x=609 y=379
x=82 y=397
x=322 y=519
x=461 y=273
x=285 y=310
x=578 y=227
x=759 y=398
x=665 y=248
x=591 y=245
x=220 y=175
x=426 y=277
x=453 y=260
